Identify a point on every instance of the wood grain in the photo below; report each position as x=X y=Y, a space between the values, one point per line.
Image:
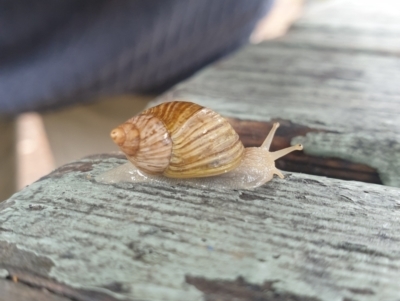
x=304 y=237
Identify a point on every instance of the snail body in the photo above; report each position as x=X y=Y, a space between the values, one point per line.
x=182 y=142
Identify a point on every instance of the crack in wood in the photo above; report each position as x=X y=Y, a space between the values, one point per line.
x=252 y=133
x=241 y=290
x=32 y=279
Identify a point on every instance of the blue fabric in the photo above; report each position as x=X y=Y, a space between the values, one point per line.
x=54 y=53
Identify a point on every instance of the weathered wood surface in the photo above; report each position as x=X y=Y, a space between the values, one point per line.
x=302 y=238
x=336 y=74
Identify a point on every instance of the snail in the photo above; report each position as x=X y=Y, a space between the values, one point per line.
x=183 y=142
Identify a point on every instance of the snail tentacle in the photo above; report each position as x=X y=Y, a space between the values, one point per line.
x=283 y=152
x=267 y=142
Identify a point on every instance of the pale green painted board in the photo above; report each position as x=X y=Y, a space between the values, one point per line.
x=313 y=236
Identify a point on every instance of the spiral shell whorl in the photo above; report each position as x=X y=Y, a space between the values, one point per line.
x=126 y=136
x=185 y=140
x=146 y=143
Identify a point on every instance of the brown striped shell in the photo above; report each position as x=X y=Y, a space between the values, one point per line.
x=180 y=140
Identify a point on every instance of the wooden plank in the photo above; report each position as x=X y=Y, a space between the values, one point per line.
x=352 y=40
x=303 y=238
x=366 y=15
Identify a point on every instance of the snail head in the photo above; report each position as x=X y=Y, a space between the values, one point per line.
x=127 y=137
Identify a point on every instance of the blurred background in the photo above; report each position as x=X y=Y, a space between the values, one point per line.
x=70 y=71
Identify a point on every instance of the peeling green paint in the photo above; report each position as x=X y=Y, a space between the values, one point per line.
x=3 y=273
x=148 y=238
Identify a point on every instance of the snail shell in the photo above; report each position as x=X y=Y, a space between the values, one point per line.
x=180 y=140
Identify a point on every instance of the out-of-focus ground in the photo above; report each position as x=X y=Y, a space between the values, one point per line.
x=46 y=141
